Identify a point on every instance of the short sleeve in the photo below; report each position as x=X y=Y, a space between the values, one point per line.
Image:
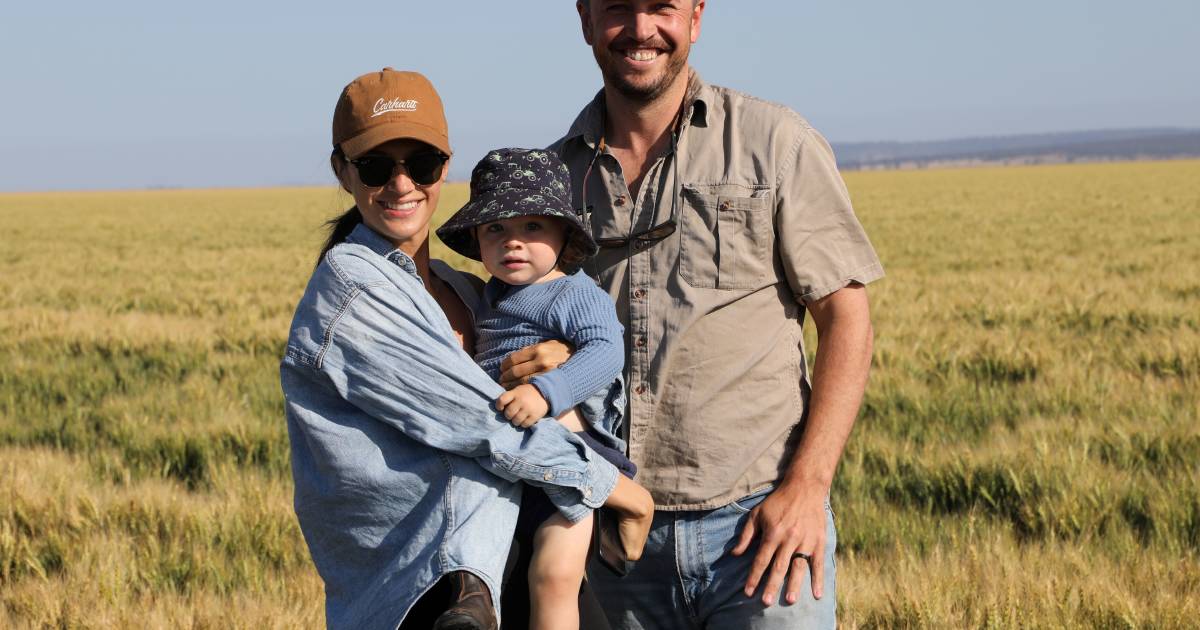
x=822 y=245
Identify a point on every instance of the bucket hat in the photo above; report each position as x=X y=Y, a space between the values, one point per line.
x=510 y=183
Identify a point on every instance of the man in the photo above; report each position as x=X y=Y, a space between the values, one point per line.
x=723 y=221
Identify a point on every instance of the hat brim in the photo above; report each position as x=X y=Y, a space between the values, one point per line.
x=458 y=232
x=388 y=131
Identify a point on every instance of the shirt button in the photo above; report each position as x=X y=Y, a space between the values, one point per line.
x=639 y=294
x=641 y=342
x=640 y=389
x=620 y=201
x=548 y=476
x=724 y=205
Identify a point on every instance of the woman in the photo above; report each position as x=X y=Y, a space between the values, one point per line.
x=405 y=474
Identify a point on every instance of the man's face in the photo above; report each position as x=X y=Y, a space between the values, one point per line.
x=641 y=46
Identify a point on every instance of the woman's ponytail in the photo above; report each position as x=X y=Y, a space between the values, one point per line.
x=341 y=226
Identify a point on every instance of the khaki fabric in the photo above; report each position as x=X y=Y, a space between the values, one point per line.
x=718 y=384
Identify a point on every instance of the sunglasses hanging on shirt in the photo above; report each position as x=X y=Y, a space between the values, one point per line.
x=652 y=234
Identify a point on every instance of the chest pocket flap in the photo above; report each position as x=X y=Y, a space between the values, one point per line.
x=728 y=236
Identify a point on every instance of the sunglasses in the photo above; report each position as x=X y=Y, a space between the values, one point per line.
x=423 y=168
x=650 y=235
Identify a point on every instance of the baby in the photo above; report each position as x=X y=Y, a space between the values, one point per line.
x=520 y=224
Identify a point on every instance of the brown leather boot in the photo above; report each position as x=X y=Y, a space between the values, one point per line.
x=472 y=607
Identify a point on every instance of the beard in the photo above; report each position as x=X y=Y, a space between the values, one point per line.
x=644 y=89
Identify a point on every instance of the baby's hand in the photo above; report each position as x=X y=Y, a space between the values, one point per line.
x=523 y=405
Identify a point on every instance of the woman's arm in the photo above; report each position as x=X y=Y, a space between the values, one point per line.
x=385 y=346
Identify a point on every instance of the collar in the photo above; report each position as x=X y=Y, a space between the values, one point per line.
x=365 y=236
x=589 y=124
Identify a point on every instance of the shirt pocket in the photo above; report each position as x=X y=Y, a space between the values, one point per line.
x=727 y=237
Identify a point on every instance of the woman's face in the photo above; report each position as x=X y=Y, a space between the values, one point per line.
x=400 y=210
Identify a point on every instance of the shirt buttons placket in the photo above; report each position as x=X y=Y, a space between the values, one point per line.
x=638 y=268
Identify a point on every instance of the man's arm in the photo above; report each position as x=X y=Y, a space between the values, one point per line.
x=792 y=519
x=827 y=259
x=524 y=364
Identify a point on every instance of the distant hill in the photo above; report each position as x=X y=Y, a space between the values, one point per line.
x=1077 y=146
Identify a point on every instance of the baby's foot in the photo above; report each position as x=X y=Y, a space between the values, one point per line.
x=634 y=531
x=634 y=510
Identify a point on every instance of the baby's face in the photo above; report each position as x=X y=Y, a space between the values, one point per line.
x=521 y=250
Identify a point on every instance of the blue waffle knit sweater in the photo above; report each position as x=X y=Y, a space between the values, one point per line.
x=571 y=308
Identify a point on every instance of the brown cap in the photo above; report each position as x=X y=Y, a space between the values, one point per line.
x=389 y=105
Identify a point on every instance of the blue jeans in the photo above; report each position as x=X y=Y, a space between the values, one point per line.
x=687 y=579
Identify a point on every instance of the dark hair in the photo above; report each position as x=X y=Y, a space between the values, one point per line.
x=342 y=225
x=589 y=3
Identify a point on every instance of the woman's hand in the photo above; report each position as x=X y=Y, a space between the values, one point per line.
x=526 y=363
x=523 y=405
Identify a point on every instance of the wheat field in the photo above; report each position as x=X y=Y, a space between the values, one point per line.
x=1028 y=454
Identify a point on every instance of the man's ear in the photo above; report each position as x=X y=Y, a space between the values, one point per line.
x=585 y=19
x=341 y=170
x=697 y=16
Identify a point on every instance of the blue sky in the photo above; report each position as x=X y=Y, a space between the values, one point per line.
x=141 y=94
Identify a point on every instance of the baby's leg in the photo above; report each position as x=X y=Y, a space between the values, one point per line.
x=556 y=572
x=572 y=419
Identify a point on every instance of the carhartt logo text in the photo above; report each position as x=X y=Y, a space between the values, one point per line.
x=395 y=105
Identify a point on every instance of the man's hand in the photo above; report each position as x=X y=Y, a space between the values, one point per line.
x=526 y=363
x=523 y=405
x=787 y=522
x=792 y=519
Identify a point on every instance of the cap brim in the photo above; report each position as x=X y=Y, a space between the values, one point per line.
x=386 y=132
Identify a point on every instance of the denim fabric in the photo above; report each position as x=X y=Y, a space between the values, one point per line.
x=536 y=508
x=688 y=580
x=605 y=411
x=403 y=469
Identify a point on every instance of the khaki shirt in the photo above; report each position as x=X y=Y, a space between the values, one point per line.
x=718 y=384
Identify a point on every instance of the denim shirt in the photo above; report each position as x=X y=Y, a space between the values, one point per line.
x=403 y=469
